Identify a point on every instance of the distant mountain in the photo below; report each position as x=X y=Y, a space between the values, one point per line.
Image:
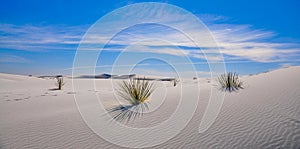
x=49 y=77
x=109 y=76
x=103 y=76
x=106 y=76
x=124 y=76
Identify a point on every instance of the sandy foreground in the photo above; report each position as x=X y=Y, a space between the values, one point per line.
x=266 y=114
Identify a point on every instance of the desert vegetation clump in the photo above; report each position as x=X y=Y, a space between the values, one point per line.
x=230 y=82
x=137 y=93
x=60 y=82
x=175 y=81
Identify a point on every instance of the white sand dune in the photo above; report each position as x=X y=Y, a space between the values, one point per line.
x=266 y=114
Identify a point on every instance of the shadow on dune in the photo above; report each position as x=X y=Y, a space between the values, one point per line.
x=53 y=89
x=128 y=112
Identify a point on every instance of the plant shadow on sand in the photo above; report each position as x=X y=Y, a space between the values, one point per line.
x=53 y=89
x=128 y=112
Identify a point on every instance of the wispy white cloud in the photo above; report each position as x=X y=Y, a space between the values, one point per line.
x=39 y=38
x=244 y=42
x=236 y=41
x=8 y=58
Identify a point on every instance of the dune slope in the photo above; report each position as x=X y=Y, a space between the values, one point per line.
x=265 y=114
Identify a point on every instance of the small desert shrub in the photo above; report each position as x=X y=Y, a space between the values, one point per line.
x=230 y=82
x=59 y=82
x=175 y=81
x=136 y=92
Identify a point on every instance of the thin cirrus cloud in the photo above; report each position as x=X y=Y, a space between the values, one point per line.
x=244 y=42
x=8 y=58
x=40 y=38
x=235 y=42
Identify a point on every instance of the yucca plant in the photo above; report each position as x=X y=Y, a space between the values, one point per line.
x=136 y=92
x=175 y=81
x=59 y=82
x=230 y=82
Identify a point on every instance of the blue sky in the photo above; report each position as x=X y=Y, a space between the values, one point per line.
x=41 y=37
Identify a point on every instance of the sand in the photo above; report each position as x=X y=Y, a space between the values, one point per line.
x=265 y=114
